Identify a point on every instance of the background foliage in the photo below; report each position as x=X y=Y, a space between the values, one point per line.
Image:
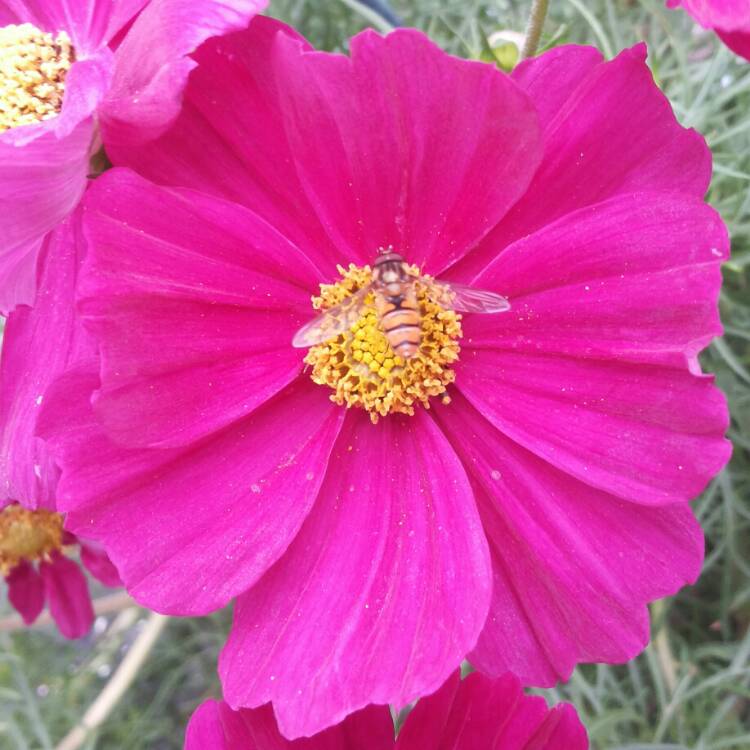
x=691 y=687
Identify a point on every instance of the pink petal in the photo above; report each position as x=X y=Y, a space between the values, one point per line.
x=26 y=591
x=635 y=278
x=552 y=78
x=646 y=433
x=390 y=144
x=97 y=562
x=43 y=170
x=562 y=730
x=18 y=273
x=574 y=566
x=214 y=726
x=89 y=23
x=619 y=148
x=479 y=712
x=221 y=512
x=8 y=16
x=251 y=729
x=595 y=368
x=436 y=136
x=215 y=294
x=85 y=85
x=732 y=15
x=152 y=63
x=67 y=594
x=737 y=41
x=40 y=184
x=430 y=720
x=39 y=343
x=387 y=580
x=730 y=19
x=206 y=731
x=615 y=135
x=229 y=140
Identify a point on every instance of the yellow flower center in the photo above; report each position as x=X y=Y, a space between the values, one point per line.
x=362 y=368
x=33 y=66
x=28 y=535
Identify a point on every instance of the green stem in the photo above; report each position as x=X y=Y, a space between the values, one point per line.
x=534 y=28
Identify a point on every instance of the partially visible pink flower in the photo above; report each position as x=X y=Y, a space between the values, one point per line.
x=476 y=713
x=37 y=571
x=525 y=523
x=123 y=93
x=730 y=19
x=215 y=726
x=39 y=344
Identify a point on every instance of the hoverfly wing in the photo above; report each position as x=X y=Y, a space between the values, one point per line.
x=331 y=322
x=462 y=298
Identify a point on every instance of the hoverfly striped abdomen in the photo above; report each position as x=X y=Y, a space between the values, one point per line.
x=396 y=304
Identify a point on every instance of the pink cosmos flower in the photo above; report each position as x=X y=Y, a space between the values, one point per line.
x=471 y=714
x=38 y=572
x=527 y=522
x=730 y=19
x=39 y=343
x=75 y=74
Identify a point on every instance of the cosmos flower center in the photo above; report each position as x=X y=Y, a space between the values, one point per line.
x=360 y=364
x=28 y=535
x=33 y=66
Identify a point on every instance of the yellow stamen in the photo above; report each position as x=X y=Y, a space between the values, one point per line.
x=28 y=535
x=362 y=369
x=33 y=66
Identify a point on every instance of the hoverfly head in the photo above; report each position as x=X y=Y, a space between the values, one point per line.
x=386 y=254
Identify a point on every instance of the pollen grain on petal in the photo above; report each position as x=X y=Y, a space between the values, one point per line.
x=33 y=67
x=29 y=535
x=360 y=366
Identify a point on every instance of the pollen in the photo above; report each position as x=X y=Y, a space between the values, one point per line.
x=360 y=366
x=30 y=535
x=33 y=66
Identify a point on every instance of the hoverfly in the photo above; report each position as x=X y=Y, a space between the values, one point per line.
x=396 y=304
